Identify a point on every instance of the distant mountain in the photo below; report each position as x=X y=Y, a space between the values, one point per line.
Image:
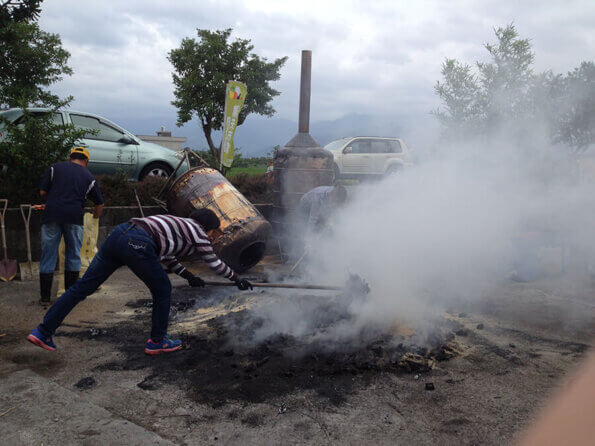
x=257 y=136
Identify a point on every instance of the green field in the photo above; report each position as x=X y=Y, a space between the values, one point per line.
x=252 y=170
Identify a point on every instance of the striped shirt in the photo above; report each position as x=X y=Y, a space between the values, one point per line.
x=177 y=238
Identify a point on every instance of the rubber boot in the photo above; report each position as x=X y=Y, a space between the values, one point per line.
x=69 y=278
x=45 y=287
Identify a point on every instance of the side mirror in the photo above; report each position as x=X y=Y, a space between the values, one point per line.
x=127 y=140
x=347 y=150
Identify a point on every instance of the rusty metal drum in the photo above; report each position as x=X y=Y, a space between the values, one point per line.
x=298 y=170
x=241 y=240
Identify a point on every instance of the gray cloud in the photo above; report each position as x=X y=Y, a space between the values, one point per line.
x=380 y=57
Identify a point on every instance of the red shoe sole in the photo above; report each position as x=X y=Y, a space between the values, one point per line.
x=162 y=350
x=33 y=340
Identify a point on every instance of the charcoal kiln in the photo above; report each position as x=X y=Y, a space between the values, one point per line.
x=302 y=164
x=241 y=240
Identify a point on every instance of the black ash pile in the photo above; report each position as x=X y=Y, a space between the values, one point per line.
x=236 y=357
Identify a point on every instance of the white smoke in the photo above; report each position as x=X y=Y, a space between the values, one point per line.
x=453 y=227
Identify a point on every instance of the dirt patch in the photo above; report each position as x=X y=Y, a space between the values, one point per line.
x=214 y=371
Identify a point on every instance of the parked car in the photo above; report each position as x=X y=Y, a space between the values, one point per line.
x=112 y=148
x=368 y=156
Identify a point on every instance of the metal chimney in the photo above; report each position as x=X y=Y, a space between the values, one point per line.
x=302 y=164
x=303 y=138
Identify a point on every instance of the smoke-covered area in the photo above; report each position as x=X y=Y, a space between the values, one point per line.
x=506 y=195
x=463 y=221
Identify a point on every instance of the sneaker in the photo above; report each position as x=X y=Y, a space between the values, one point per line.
x=166 y=345
x=36 y=337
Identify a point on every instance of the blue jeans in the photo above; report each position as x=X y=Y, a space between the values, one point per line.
x=51 y=233
x=126 y=245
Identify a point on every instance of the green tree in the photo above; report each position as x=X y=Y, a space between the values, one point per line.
x=506 y=80
x=460 y=93
x=202 y=68
x=576 y=108
x=496 y=95
x=19 y=11
x=504 y=94
x=30 y=61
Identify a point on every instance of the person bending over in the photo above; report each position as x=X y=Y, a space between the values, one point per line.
x=144 y=244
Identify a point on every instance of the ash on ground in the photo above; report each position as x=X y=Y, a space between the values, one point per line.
x=233 y=353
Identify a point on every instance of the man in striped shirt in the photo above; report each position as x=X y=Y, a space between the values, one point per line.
x=143 y=244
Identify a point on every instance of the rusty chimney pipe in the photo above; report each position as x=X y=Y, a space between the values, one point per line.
x=305 y=84
x=300 y=166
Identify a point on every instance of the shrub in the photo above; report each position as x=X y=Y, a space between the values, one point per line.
x=118 y=191
x=257 y=188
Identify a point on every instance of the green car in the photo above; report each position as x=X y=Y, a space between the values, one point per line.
x=112 y=148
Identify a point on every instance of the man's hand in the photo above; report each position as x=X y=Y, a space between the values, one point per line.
x=97 y=210
x=196 y=281
x=193 y=281
x=243 y=284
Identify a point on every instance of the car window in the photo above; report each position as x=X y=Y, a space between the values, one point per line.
x=360 y=146
x=104 y=132
x=11 y=115
x=56 y=117
x=333 y=145
x=395 y=146
x=379 y=146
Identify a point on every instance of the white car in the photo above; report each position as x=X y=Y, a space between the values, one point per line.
x=368 y=156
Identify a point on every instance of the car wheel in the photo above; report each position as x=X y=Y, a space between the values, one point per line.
x=391 y=170
x=156 y=170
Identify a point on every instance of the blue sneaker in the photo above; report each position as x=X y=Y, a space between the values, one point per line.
x=166 y=345
x=36 y=337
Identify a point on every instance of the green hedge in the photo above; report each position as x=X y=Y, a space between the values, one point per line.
x=117 y=190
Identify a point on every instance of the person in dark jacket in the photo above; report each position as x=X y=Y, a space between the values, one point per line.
x=65 y=187
x=144 y=245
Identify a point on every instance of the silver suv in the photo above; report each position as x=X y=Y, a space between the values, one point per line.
x=367 y=156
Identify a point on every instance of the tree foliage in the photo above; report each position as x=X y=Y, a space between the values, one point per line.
x=505 y=95
x=202 y=68
x=31 y=60
x=577 y=107
x=19 y=11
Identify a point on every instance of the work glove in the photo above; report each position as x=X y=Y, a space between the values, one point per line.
x=243 y=284
x=193 y=281
x=196 y=281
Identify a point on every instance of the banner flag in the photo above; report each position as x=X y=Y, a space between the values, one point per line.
x=235 y=95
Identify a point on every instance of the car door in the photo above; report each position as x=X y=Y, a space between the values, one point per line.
x=108 y=153
x=383 y=151
x=356 y=156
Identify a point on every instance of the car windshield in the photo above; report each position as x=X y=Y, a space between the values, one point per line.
x=335 y=145
x=11 y=115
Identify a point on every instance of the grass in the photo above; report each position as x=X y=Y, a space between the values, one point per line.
x=251 y=170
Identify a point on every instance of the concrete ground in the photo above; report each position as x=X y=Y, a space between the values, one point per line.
x=510 y=352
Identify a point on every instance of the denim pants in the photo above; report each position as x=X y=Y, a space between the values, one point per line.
x=51 y=233
x=126 y=245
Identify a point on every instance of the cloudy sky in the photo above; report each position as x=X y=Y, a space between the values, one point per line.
x=369 y=57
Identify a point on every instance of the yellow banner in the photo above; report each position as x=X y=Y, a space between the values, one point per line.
x=235 y=95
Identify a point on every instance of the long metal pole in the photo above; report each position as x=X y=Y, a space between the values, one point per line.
x=298 y=286
x=305 y=86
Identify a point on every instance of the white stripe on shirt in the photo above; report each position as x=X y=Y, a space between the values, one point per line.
x=186 y=239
